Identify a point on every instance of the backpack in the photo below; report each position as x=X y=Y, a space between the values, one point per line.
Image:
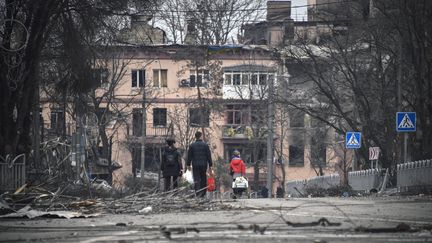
x=170 y=158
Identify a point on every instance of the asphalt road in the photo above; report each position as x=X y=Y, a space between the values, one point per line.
x=384 y=219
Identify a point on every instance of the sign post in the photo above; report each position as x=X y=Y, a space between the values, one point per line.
x=353 y=141
x=373 y=156
x=405 y=122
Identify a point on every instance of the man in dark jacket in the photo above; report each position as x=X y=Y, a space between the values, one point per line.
x=200 y=157
x=171 y=165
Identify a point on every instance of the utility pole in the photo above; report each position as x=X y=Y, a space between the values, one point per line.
x=36 y=130
x=270 y=137
x=399 y=102
x=201 y=105
x=284 y=83
x=79 y=154
x=144 y=131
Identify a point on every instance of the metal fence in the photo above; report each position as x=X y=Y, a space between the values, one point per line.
x=363 y=180
x=12 y=173
x=409 y=175
x=414 y=174
x=325 y=182
x=366 y=180
x=295 y=188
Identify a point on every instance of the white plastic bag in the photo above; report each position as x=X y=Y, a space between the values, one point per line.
x=240 y=182
x=187 y=176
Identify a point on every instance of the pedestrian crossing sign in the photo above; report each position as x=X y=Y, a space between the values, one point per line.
x=353 y=140
x=405 y=121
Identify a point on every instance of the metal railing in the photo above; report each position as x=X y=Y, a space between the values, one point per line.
x=295 y=187
x=409 y=175
x=363 y=180
x=12 y=172
x=326 y=181
x=243 y=131
x=414 y=174
x=366 y=180
x=151 y=131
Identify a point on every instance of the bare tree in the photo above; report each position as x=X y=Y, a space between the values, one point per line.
x=210 y=22
x=351 y=76
x=27 y=27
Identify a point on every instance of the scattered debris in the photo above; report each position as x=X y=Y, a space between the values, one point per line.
x=101 y=185
x=145 y=210
x=165 y=232
x=168 y=232
x=402 y=227
x=30 y=213
x=336 y=191
x=181 y=199
x=35 y=201
x=257 y=229
x=321 y=222
x=5 y=209
x=241 y=227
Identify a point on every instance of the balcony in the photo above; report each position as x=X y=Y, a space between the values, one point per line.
x=235 y=131
x=243 y=131
x=158 y=133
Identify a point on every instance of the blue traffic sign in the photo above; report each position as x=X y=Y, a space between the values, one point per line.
x=405 y=121
x=353 y=140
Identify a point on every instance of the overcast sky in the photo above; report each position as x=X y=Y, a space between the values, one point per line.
x=299 y=13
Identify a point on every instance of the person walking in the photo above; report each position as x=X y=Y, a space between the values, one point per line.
x=238 y=169
x=171 y=165
x=199 y=157
x=237 y=165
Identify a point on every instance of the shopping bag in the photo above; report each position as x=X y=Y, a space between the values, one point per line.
x=240 y=182
x=211 y=184
x=187 y=176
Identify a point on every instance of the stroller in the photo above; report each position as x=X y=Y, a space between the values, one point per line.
x=239 y=185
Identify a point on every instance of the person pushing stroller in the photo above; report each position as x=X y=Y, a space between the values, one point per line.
x=238 y=170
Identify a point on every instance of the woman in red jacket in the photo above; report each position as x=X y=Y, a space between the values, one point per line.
x=237 y=165
x=238 y=170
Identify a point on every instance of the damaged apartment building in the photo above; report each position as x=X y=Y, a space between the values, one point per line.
x=220 y=90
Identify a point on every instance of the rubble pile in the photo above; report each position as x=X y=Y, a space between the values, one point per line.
x=181 y=199
x=38 y=202
x=343 y=191
x=58 y=189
